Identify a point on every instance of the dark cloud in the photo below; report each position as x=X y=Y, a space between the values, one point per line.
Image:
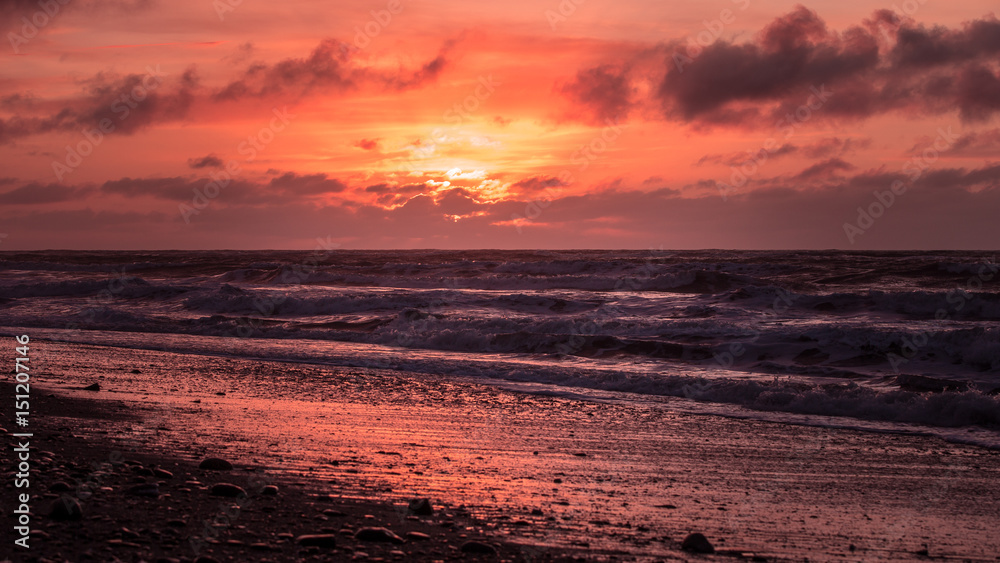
x=977 y=93
x=917 y=46
x=794 y=52
x=282 y=188
x=834 y=146
x=885 y=64
x=985 y=144
x=537 y=184
x=829 y=147
x=946 y=208
x=367 y=144
x=210 y=161
x=824 y=169
x=949 y=179
x=738 y=158
x=604 y=90
x=330 y=68
x=11 y=11
x=135 y=102
x=379 y=189
x=293 y=184
x=388 y=189
x=35 y=193
x=173 y=189
x=129 y=103
x=457 y=201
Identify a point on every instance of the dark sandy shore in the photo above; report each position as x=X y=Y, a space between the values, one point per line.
x=534 y=477
x=138 y=504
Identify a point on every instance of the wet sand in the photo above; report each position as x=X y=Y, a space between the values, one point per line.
x=538 y=477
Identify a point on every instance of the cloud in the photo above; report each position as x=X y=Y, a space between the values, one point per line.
x=130 y=103
x=604 y=91
x=835 y=146
x=536 y=184
x=885 y=64
x=35 y=193
x=738 y=158
x=134 y=102
x=329 y=68
x=791 y=54
x=293 y=184
x=825 y=169
x=171 y=188
x=368 y=144
x=286 y=186
x=11 y=11
x=984 y=144
x=959 y=203
x=210 y=161
x=918 y=46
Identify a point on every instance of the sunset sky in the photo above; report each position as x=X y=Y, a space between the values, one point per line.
x=445 y=124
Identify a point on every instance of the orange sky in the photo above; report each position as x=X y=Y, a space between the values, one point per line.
x=581 y=123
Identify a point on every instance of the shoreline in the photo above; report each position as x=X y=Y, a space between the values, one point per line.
x=539 y=477
x=185 y=521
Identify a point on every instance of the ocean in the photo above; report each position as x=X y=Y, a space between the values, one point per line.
x=880 y=341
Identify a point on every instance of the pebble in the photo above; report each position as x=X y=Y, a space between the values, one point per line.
x=163 y=474
x=377 y=534
x=697 y=543
x=417 y=536
x=65 y=509
x=473 y=546
x=227 y=490
x=317 y=540
x=144 y=490
x=421 y=507
x=215 y=464
x=269 y=490
x=94 y=387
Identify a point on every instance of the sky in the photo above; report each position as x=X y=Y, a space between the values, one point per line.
x=242 y=124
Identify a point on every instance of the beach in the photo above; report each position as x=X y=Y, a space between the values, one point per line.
x=534 y=476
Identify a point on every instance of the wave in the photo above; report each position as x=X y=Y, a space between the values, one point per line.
x=123 y=286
